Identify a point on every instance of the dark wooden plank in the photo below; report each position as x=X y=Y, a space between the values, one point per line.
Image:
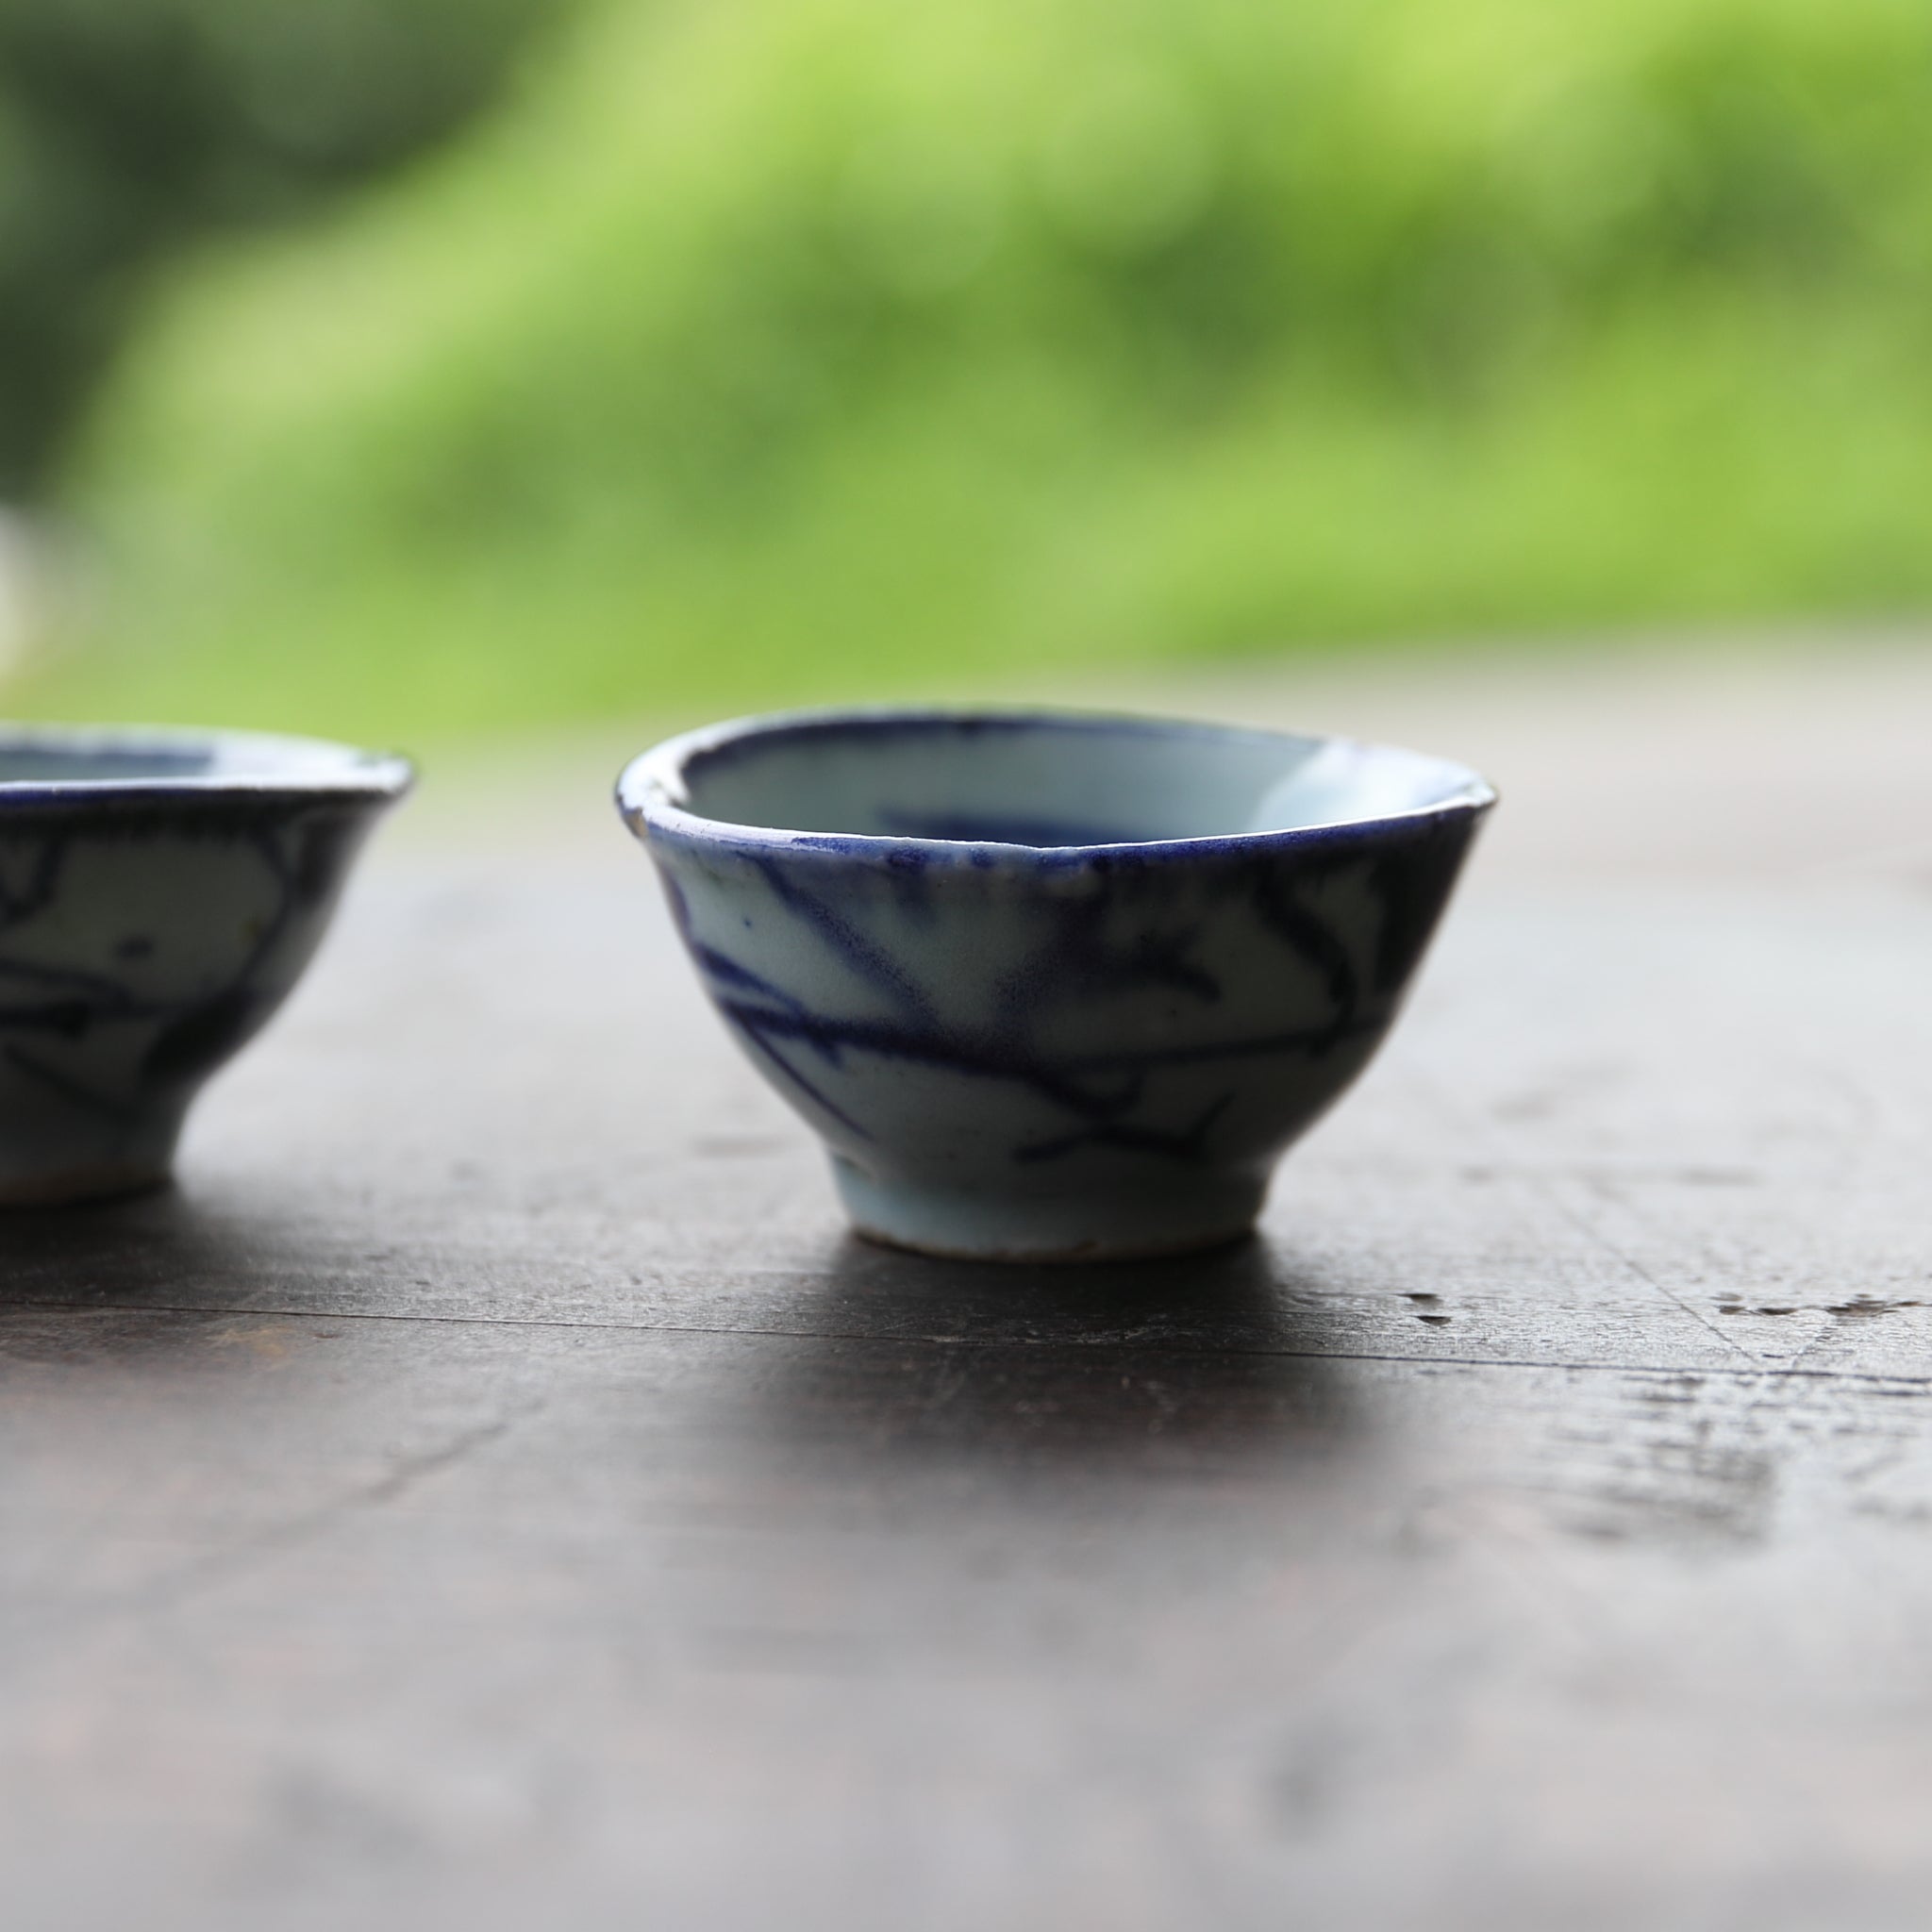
x=462 y=1612
x=492 y=1488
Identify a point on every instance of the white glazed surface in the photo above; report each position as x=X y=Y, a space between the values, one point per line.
x=160 y=894
x=1049 y=985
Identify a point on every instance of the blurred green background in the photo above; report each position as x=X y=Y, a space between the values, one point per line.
x=403 y=368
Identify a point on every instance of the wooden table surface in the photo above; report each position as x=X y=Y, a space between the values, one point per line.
x=491 y=1488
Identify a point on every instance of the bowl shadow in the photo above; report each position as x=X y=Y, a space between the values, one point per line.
x=1216 y=1364
x=151 y=1271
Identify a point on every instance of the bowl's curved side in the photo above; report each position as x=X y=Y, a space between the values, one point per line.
x=143 y=943
x=1063 y=1053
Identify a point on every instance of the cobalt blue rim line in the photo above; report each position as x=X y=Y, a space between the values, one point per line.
x=650 y=790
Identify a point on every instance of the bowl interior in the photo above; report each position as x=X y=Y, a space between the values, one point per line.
x=53 y=764
x=1047 y=780
x=40 y=757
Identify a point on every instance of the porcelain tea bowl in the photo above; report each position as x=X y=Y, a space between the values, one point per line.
x=160 y=894
x=1050 y=985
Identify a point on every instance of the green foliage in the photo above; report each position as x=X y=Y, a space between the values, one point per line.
x=129 y=126
x=808 y=347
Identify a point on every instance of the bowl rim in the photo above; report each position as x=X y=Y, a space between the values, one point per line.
x=653 y=797
x=284 y=766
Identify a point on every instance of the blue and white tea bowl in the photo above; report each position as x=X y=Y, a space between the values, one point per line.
x=1051 y=985
x=160 y=894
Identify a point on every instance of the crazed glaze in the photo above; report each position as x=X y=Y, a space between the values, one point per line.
x=160 y=894
x=1037 y=1047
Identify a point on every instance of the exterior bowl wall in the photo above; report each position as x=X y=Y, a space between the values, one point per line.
x=1074 y=1052
x=146 y=933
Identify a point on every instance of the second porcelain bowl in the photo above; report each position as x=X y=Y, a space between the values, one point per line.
x=1051 y=985
x=160 y=894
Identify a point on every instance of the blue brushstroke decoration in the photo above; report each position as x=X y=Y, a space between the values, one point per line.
x=1050 y=984
x=160 y=894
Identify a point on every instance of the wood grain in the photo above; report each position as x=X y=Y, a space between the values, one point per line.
x=491 y=1488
